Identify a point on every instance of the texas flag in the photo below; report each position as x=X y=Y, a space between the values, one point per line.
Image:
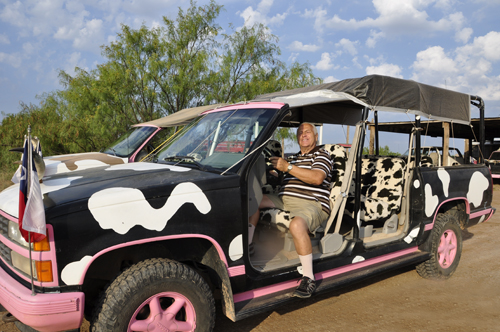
x=31 y=209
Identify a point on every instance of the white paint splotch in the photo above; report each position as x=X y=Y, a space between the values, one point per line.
x=477 y=185
x=9 y=198
x=416 y=183
x=431 y=201
x=358 y=259
x=73 y=272
x=50 y=185
x=120 y=209
x=236 y=248
x=444 y=176
x=413 y=234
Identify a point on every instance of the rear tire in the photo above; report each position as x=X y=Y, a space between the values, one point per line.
x=157 y=292
x=445 y=248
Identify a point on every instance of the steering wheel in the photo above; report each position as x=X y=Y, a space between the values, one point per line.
x=273 y=176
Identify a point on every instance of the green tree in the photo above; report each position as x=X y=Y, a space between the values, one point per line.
x=383 y=151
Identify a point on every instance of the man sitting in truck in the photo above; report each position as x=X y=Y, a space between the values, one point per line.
x=305 y=193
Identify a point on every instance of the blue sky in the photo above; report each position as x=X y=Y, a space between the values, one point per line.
x=447 y=43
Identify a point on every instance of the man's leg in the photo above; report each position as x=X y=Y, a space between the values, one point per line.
x=254 y=219
x=300 y=232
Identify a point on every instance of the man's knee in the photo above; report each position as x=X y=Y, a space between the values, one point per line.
x=298 y=226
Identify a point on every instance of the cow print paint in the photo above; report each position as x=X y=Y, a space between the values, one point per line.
x=382 y=183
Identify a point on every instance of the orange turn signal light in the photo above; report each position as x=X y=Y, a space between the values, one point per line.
x=42 y=245
x=44 y=271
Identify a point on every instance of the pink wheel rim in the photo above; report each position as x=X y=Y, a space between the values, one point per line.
x=447 y=249
x=167 y=311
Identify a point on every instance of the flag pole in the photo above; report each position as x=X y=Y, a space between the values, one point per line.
x=29 y=179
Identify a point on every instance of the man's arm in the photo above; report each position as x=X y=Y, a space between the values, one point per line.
x=311 y=176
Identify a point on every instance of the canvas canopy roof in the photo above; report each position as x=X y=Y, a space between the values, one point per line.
x=382 y=93
x=181 y=118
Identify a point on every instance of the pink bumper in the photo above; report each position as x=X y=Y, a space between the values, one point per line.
x=43 y=312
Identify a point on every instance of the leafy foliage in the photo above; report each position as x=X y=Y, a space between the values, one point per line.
x=154 y=72
x=383 y=151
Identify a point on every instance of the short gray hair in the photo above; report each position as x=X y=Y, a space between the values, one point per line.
x=312 y=125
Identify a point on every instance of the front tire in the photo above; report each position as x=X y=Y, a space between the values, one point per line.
x=156 y=294
x=445 y=248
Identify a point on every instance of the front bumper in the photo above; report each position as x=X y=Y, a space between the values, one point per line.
x=43 y=312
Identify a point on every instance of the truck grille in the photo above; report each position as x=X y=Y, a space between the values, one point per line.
x=4 y=231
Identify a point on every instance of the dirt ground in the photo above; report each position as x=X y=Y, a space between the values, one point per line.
x=398 y=301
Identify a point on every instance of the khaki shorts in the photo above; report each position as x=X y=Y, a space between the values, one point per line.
x=310 y=211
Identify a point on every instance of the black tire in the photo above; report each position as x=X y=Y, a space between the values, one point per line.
x=445 y=243
x=173 y=292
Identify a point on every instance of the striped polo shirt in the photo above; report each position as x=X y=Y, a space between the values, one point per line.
x=317 y=158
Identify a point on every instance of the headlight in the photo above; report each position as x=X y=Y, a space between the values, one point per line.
x=23 y=263
x=15 y=234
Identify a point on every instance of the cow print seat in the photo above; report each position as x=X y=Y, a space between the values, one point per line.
x=281 y=218
x=381 y=188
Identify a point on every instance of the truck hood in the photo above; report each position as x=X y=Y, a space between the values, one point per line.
x=153 y=180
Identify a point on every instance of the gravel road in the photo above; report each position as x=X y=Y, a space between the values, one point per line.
x=398 y=301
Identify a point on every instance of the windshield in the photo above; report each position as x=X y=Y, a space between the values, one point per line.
x=130 y=141
x=217 y=140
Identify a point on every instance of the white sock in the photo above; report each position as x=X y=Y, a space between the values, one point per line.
x=251 y=231
x=307 y=265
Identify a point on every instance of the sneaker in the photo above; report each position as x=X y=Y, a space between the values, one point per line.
x=306 y=288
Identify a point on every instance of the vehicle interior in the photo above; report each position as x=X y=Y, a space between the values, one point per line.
x=374 y=206
x=382 y=179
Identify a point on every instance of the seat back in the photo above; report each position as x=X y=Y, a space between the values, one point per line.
x=382 y=185
x=339 y=159
x=426 y=161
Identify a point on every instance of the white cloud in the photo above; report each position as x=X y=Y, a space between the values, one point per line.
x=330 y=79
x=4 y=39
x=28 y=48
x=394 y=18
x=463 y=35
x=293 y=57
x=13 y=13
x=468 y=68
x=433 y=63
x=375 y=36
x=325 y=63
x=348 y=46
x=90 y=37
x=386 y=69
x=74 y=60
x=298 y=46
x=487 y=46
x=12 y=59
x=260 y=15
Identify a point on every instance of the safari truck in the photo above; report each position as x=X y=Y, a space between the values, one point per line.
x=152 y=245
x=137 y=143
x=494 y=164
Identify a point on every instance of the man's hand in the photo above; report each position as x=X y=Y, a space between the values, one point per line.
x=279 y=163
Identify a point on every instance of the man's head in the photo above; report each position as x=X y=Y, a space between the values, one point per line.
x=307 y=137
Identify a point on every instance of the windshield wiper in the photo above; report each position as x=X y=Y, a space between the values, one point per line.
x=185 y=158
